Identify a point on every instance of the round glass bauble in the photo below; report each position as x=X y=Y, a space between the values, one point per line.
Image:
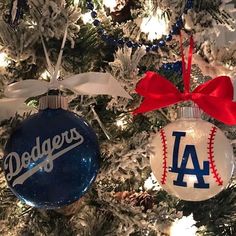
x=51 y=158
x=192 y=159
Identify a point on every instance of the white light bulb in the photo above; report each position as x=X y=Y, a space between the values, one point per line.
x=184 y=227
x=155 y=25
x=110 y=4
x=31 y=24
x=87 y=18
x=4 y=60
x=151 y=183
x=76 y=2
x=121 y=123
x=45 y=75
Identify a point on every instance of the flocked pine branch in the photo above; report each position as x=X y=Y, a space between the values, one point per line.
x=118 y=203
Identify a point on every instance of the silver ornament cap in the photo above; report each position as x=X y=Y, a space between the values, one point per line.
x=53 y=102
x=189 y=112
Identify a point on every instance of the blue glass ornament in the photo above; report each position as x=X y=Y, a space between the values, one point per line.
x=51 y=159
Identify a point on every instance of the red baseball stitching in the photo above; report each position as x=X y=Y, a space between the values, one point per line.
x=211 y=157
x=164 y=149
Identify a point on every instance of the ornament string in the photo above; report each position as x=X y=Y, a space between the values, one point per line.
x=186 y=71
x=215 y=97
x=90 y=83
x=55 y=75
x=58 y=64
x=50 y=68
x=54 y=72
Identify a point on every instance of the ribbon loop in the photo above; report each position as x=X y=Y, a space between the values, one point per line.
x=215 y=97
x=90 y=83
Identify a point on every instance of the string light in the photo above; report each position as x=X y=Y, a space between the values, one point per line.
x=45 y=75
x=4 y=61
x=155 y=26
x=121 y=123
x=32 y=24
x=76 y=2
x=150 y=46
x=184 y=227
x=87 y=18
x=151 y=183
x=110 y=4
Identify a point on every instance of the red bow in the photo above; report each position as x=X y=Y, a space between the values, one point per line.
x=213 y=97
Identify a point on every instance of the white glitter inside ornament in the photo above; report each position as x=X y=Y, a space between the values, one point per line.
x=191 y=158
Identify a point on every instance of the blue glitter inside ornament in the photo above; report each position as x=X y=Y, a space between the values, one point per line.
x=51 y=159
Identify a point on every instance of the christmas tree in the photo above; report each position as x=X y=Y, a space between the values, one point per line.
x=125 y=38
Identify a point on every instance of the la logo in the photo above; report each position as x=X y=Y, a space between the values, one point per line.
x=189 y=153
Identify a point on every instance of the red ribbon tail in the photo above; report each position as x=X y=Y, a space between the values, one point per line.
x=213 y=97
x=151 y=104
x=187 y=70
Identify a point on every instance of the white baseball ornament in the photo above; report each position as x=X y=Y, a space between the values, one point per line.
x=191 y=158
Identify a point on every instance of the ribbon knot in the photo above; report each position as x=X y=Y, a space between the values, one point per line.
x=215 y=97
x=186 y=96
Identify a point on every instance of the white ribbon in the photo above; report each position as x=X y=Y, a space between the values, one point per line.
x=90 y=83
x=10 y=106
x=54 y=72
